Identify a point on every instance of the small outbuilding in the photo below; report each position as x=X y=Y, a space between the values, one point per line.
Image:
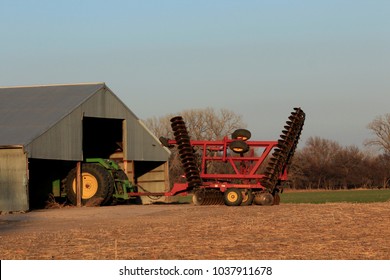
x=46 y=130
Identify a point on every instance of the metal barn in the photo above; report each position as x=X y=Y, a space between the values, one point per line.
x=46 y=130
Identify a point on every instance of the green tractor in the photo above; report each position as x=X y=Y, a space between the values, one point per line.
x=103 y=183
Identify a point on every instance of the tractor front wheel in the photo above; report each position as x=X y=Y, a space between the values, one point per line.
x=97 y=185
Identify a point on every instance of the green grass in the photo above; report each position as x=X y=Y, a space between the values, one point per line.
x=318 y=197
x=352 y=196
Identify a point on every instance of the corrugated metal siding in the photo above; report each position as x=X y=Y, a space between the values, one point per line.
x=62 y=142
x=13 y=180
x=48 y=121
x=154 y=149
x=64 y=139
x=105 y=104
x=27 y=112
x=141 y=143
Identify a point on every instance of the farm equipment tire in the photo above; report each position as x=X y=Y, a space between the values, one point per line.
x=247 y=197
x=241 y=134
x=239 y=146
x=232 y=197
x=265 y=199
x=97 y=185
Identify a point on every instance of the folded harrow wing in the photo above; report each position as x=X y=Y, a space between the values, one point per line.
x=235 y=171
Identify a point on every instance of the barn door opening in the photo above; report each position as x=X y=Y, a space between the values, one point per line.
x=102 y=137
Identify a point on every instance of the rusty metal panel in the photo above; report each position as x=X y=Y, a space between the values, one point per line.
x=13 y=180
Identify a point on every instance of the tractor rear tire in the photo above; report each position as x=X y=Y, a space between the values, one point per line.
x=232 y=197
x=97 y=186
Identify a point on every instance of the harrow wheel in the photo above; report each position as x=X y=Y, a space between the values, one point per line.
x=265 y=199
x=239 y=146
x=241 y=134
x=247 y=197
x=232 y=197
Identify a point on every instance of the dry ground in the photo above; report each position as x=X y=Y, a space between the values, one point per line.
x=287 y=231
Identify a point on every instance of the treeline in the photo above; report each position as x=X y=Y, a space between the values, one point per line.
x=324 y=164
x=317 y=164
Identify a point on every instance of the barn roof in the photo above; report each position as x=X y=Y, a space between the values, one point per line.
x=27 y=112
x=47 y=121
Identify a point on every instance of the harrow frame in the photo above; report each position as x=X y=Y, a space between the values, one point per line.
x=247 y=170
x=245 y=182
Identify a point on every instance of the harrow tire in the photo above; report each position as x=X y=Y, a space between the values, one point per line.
x=264 y=199
x=239 y=146
x=247 y=197
x=241 y=134
x=232 y=197
x=97 y=187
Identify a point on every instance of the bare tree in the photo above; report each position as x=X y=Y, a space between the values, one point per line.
x=377 y=170
x=348 y=166
x=380 y=127
x=320 y=154
x=202 y=124
x=160 y=126
x=313 y=165
x=382 y=169
x=325 y=164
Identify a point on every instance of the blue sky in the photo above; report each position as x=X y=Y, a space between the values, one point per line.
x=257 y=58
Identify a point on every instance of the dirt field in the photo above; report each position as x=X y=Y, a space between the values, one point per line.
x=287 y=231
